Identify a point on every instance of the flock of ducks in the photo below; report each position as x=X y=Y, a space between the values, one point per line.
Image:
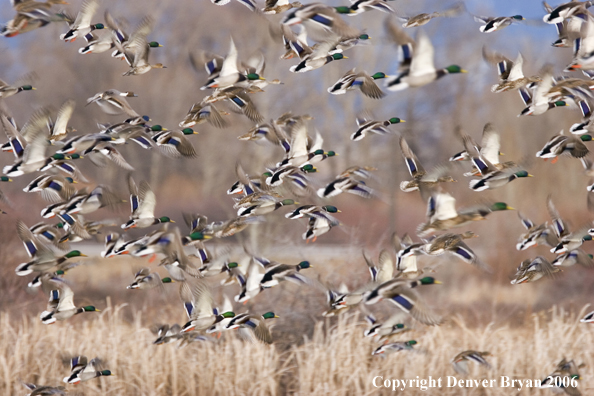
x=395 y=277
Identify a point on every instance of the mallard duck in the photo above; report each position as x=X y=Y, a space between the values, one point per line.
x=203 y=316
x=29 y=152
x=540 y=102
x=442 y=214
x=337 y=300
x=223 y=229
x=317 y=58
x=388 y=328
x=460 y=361
x=346 y=184
x=19 y=139
x=361 y=80
x=384 y=270
x=372 y=126
x=82 y=371
x=81 y=26
x=167 y=334
x=489 y=149
x=240 y=99
x=49 y=233
x=253 y=70
x=492 y=24
x=306 y=210
x=251 y=287
x=124 y=40
x=144 y=279
x=454 y=244
x=220 y=266
x=248 y=186
x=347 y=43
x=212 y=63
x=84 y=229
x=53 y=188
x=168 y=243
x=64 y=307
x=510 y=73
x=276 y=273
x=59 y=129
x=573 y=257
x=256 y=197
x=133 y=129
x=395 y=347
x=568 y=145
x=98 y=43
x=288 y=35
x=406 y=263
x=532 y=270
x=42 y=257
x=101 y=152
x=76 y=226
x=400 y=293
x=143 y=201
x=229 y=74
x=267 y=204
x=576 y=87
x=302 y=148
x=7 y=90
x=567 y=10
x=30 y=16
x=197 y=223
x=295 y=174
x=424 y=18
x=360 y=6
x=581 y=98
x=416 y=170
x=491 y=175
x=64 y=163
x=205 y=257
x=567 y=30
x=322 y=22
x=113 y=102
x=320 y=221
x=565 y=369
x=174 y=144
x=137 y=52
x=85 y=203
x=253 y=326
x=139 y=59
x=200 y=113
x=571 y=241
x=363 y=172
x=279 y=6
x=421 y=70
x=535 y=235
x=113 y=243
x=589 y=318
x=268 y=132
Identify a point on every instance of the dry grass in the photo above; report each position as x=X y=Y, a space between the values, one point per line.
x=335 y=361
